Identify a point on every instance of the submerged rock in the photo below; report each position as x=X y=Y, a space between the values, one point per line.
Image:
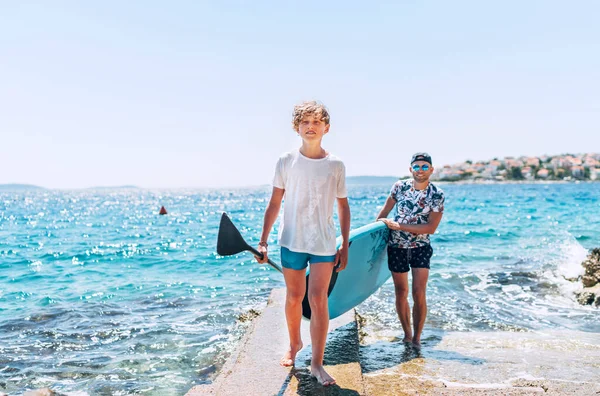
x=589 y=281
x=585 y=297
x=247 y=316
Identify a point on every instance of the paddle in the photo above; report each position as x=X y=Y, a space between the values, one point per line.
x=230 y=241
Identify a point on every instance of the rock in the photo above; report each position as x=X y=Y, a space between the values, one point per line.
x=592 y=263
x=245 y=317
x=592 y=267
x=591 y=280
x=588 y=280
x=585 y=297
x=40 y=392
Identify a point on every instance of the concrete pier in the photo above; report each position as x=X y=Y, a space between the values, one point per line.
x=253 y=368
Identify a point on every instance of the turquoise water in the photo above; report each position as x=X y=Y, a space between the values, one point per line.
x=101 y=295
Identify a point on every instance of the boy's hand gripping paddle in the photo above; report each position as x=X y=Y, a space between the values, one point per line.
x=230 y=241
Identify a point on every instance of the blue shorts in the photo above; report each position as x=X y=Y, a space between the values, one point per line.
x=299 y=261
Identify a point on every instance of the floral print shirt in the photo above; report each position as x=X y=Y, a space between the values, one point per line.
x=413 y=207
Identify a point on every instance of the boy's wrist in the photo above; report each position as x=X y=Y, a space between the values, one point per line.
x=263 y=244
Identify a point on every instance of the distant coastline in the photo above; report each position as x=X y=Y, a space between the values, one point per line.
x=350 y=180
x=565 y=167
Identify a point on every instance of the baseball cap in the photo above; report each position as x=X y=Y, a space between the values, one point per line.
x=421 y=157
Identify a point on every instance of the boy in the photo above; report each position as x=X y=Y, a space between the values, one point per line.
x=420 y=205
x=311 y=180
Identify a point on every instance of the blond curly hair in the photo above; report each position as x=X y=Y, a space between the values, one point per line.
x=309 y=108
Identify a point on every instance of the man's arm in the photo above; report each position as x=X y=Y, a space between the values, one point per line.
x=344 y=217
x=270 y=216
x=387 y=208
x=427 y=228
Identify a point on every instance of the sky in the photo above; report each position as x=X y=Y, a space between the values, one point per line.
x=200 y=94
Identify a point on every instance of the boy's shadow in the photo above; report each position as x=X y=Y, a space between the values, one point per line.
x=387 y=354
x=308 y=386
x=341 y=349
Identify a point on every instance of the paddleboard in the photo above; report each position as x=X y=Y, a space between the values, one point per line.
x=367 y=270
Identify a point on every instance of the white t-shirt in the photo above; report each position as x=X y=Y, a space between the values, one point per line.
x=311 y=188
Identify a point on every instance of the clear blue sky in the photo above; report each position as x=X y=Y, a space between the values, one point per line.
x=193 y=94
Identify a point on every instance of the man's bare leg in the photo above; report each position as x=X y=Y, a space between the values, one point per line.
x=318 y=283
x=295 y=283
x=402 y=307
x=419 y=288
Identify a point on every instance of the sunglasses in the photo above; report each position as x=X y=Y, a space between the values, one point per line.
x=424 y=167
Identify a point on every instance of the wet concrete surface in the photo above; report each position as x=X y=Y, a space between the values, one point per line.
x=484 y=363
x=449 y=363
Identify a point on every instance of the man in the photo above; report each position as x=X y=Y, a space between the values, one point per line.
x=419 y=208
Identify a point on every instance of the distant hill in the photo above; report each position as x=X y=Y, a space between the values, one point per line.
x=20 y=187
x=371 y=179
x=31 y=187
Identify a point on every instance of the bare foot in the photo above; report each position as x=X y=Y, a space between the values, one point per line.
x=407 y=340
x=289 y=358
x=416 y=344
x=321 y=375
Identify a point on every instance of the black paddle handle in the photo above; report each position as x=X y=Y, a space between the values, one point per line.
x=259 y=254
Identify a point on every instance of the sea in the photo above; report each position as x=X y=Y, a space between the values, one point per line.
x=99 y=294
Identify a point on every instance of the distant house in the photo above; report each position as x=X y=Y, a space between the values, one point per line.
x=577 y=171
x=532 y=161
x=595 y=174
x=494 y=165
x=480 y=166
x=472 y=171
x=590 y=162
x=513 y=163
x=557 y=162
x=487 y=173
x=542 y=173
x=571 y=162
x=527 y=173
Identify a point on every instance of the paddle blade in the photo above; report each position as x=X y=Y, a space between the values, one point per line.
x=230 y=241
